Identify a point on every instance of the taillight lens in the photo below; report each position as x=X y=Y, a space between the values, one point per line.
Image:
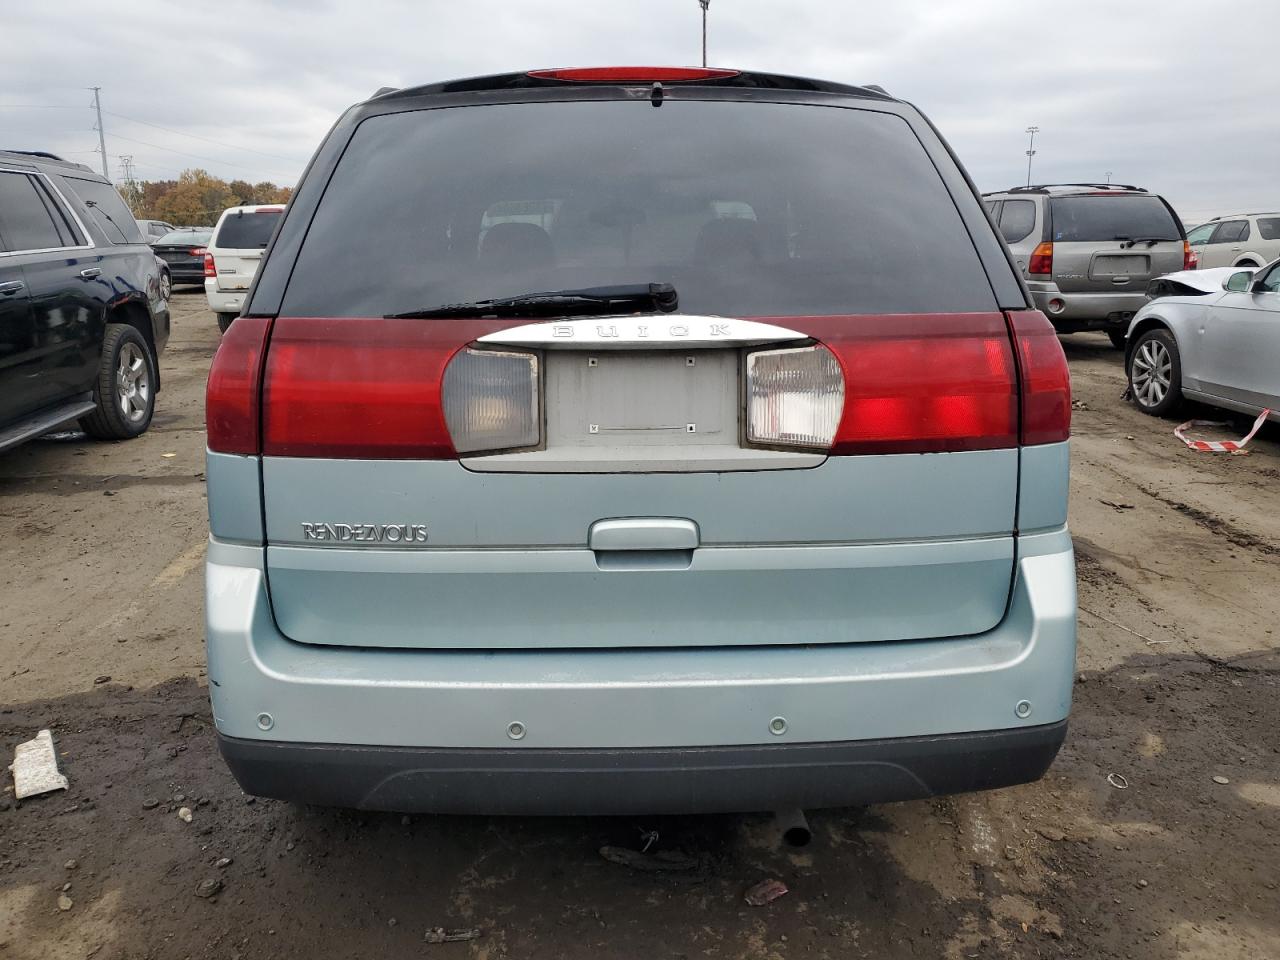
x=1041 y=261
x=634 y=74
x=197 y=252
x=1190 y=259
x=209 y=269
x=1046 y=379
x=491 y=400
x=232 y=412
x=795 y=397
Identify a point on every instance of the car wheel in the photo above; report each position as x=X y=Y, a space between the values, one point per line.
x=166 y=286
x=125 y=388
x=224 y=321
x=1118 y=338
x=1155 y=373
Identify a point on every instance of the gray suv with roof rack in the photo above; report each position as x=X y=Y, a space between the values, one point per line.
x=82 y=314
x=1088 y=250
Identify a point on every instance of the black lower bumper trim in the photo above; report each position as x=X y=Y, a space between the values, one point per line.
x=629 y=781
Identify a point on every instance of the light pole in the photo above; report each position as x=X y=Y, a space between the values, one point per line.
x=1031 y=150
x=704 y=4
x=1108 y=178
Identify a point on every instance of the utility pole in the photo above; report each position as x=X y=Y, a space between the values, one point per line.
x=1108 y=178
x=704 y=4
x=102 y=139
x=1031 y=150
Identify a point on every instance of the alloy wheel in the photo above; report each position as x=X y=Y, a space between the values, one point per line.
x=1152 y=373
x=133 y=383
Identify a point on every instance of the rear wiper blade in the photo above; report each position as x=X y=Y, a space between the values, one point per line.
x=628 y=297
x=1149 y=241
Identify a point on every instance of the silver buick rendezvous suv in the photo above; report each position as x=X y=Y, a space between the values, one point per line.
x=629 y=462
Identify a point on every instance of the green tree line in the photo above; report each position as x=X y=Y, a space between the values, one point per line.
x=196 y=198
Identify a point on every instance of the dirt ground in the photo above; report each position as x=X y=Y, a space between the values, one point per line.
x=1179 y=683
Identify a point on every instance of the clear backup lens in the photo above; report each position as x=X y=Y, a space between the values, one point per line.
x=491 y=400
x=795 y=397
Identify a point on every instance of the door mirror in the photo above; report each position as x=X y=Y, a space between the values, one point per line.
x=1238 y=282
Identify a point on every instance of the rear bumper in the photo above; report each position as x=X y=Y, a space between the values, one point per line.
x=430 y=730
x=1086 y=311
x=541 y=782
x=223 y=301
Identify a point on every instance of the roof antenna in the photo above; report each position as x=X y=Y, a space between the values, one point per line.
x=655 y=95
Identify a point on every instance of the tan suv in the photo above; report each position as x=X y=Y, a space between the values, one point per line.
x=1238 y=240
x=1087 y=250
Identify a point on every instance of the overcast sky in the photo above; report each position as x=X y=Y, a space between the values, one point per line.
x=1170 y=95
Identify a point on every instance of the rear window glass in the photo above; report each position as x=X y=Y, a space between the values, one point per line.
x=180 y=238
x=106 y=207
x=749 y=209
x=1269 y=228
x=247 y=231
x=1112 y=218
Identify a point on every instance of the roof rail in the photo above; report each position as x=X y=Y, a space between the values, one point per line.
x=1046 y=187
x=381 y=90
x=37 y=153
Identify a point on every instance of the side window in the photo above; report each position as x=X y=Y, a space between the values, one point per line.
x=25 y=216
x=1230 y=231
x=1271 y=282
x=1201 y=234
x=1269 y=228
x=65 y=225
x=107 y=210
x=1017 y=219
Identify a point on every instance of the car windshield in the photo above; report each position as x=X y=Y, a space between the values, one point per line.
x=1109 y=217
x=195 y=238
x=248 y=229
x=747 y=209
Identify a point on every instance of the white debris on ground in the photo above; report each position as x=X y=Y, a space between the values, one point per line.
x=35 y=767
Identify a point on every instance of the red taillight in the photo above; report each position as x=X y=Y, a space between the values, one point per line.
x=1046 y=380
x=922 y=383
x=232 y=410
x=197 y=252
x=1190 y=259
x=1041 y=261
x=633 y=74
x=209 y=269
x=359 y=388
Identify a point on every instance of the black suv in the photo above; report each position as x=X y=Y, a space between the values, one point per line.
x=82 y=317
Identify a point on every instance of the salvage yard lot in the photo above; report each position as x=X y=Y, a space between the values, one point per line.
x=1179 y=682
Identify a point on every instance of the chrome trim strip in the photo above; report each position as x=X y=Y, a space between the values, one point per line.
x=662 y=331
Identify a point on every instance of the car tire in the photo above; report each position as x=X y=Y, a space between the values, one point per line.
x=225 y=320
x=1118 y=338
x=1155 y=373
x=124 y=390
x=166 y=286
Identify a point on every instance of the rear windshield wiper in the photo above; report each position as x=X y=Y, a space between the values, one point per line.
x=1149 y=241
x=626 y=297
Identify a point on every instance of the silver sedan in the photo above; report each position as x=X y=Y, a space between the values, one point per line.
x=1222 y=348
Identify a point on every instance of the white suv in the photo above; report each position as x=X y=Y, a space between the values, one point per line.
x=1240 y=240
x=232 y=257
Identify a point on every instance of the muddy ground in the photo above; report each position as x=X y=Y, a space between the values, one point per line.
x=1179 y=562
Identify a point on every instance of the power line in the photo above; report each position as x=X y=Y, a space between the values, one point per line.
x=195 y=156
x=218 y=143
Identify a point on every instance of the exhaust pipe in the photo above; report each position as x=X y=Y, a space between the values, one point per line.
x=794 y=827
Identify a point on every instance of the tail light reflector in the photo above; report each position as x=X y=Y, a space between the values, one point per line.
x=358 y=388
x=209 y=269
x=1046 y=379
x=197 y=252
x=1190 y=259
x=1041 y=261
x=232 y=413
x=633 y=74
x=795 y=397
x=491 y=400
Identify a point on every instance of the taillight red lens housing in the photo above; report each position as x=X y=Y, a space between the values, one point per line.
x=197 y=251
x=209 y=269
x=1041 y=261
x=1190 y=259
x=1046 y=379
x=232 y=411
x=633 y=74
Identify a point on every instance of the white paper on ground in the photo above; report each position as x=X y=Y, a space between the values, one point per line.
x=35 y=767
